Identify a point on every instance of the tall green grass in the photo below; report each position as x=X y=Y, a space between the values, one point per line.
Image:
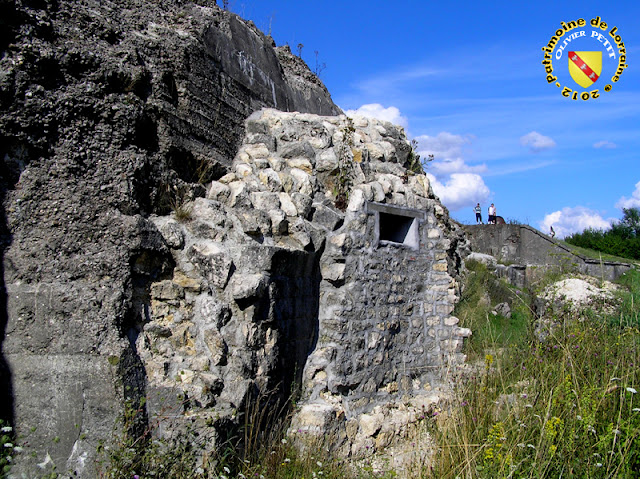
x=565 y=407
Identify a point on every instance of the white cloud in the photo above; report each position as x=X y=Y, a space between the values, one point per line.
x=444 y=146
x=456 y=183
x=460 y=190
x=605 y=144
x=376 y=110
x=448 y=167
x=537 y=142
x=573 y=220
x=447 y=151
x=633 y=202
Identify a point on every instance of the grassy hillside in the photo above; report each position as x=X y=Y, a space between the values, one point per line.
x=565 y=407
x=589 y=253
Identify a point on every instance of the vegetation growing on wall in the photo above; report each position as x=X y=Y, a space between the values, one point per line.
x=343 y=180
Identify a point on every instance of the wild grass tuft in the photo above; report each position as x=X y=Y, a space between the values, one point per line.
x=565 y=407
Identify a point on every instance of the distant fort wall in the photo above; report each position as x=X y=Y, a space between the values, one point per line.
x=526 y=252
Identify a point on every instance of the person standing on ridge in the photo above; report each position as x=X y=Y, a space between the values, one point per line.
x=478 y=211
x=551 y=232
x=492 y=215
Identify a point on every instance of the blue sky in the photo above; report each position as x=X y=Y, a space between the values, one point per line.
x=466 y=80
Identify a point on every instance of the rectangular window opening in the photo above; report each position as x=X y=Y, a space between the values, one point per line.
x=395 y=228
x=396 y=225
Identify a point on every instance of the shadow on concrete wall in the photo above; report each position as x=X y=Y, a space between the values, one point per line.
x=6 y=384
x=296 y=303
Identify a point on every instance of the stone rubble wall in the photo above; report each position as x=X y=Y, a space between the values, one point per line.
x=274 y=287
x=111 y=111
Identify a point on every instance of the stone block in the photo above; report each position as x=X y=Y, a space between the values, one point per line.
x=218 y=191
x=419 y=184
x=239 y=195
x=370 y=424
x=301 y=181
x=333 y=272
x=385 y=183
x=255 y=222
x=258 y=150
x=301 y=163
x=172 y=234
x=271 y=179
x=326 y=216
x=326 y=161
x=287 y=205
x=320 y=142
x=463 y=332
x=243 y=170
x=444 y=309
x=212 y=311
x=303 y=203
x=356 y=201
x=314 y=418
x=451 y=321
x=296 y=149
x=246 y=286
x=186 y=282
x=265 y=200
x=376 y=152
x=217 y=347
x=213 y=263
x=166 y=290
x=277 y=163
x=398 y=199
x=279 y=222
x=440 y=267
x=228 y=178
x=287 y=181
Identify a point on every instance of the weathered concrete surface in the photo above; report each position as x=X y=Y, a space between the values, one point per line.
x=274 y=286
x=111 y=111
x=529 y=250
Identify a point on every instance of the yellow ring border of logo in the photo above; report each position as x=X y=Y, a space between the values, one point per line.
x=547 y=61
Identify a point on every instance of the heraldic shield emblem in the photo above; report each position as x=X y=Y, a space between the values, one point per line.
x=585 y=67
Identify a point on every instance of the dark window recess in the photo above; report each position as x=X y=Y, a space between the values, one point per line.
x=395 y=228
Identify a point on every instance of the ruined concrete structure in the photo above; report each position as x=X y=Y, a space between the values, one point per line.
x=154 y=245
x=528 y=253
x=273 y=285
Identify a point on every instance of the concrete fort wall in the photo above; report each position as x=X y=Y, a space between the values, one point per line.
x=526 y=247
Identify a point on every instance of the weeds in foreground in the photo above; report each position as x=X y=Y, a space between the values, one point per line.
x=565 y=407
x=8 y=448
x=176 y=200
x=260 y=449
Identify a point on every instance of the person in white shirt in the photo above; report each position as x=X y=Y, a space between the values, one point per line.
x=492 y=214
